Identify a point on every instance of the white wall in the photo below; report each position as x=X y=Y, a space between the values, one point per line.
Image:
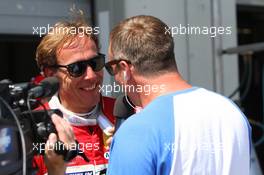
x=103 y=20
x=228 y=63
x=20 y=16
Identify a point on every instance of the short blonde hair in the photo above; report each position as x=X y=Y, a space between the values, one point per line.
x=55 y=40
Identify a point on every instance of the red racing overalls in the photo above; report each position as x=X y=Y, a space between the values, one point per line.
x=91 y=139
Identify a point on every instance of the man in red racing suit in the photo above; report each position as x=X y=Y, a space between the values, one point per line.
x=90 y=138
x=74 y=58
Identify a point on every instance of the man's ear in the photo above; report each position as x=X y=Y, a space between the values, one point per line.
x=125 y=69
x=48 y=72
x=123 y=66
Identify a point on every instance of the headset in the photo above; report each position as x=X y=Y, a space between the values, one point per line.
x=125 y=76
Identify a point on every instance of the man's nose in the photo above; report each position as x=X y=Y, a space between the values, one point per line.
x=89 y=73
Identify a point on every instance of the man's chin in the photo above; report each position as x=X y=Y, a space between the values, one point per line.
x=91 y=98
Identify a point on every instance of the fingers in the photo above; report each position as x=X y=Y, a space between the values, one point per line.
x=111 y=130
x=64 y=130
x=109 y=141
x=54 y=162
x=49 y=146
x=110 y=135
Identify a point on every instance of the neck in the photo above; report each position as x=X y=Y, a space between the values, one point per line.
x=161 y=85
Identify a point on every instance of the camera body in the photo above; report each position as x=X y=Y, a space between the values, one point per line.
x=36 y=126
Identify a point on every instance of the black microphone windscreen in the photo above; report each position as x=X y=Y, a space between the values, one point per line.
x=50 y=85
x=46 y=88
x=121 y=108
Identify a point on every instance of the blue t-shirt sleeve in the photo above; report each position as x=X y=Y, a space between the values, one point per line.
x=131 y=151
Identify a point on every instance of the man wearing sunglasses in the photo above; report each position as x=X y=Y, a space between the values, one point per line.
x=76 y=61
x=182 y=129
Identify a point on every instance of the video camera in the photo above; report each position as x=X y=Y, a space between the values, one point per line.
x=20 y=127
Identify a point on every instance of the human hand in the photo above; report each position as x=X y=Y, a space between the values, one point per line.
x=55 y=163
x=109 y=140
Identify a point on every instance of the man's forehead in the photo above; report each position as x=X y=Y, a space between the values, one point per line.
x=80 y=47
x=79 y=42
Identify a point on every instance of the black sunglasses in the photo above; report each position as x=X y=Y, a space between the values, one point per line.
x=109 y=65
x=78 y=68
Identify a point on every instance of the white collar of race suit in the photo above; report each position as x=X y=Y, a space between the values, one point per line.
x=76 y=119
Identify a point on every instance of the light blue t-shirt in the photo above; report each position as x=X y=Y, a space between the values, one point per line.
x=193 y=131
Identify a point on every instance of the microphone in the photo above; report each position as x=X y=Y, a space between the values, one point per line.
x=14 y=92
x=46 y=88
x=122 y=110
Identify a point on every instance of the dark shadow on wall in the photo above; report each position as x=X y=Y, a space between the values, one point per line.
x=250 y=22
x=17 y=57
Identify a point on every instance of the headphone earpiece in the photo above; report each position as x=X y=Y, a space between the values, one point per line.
x=125 y=77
